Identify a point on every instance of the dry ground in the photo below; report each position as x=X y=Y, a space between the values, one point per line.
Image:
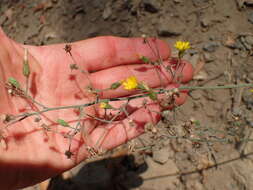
x=221 y=34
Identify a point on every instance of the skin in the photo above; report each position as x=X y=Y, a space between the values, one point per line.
x=29 y=154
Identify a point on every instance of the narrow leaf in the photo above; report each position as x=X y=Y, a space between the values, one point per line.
x=62 y=122
x=115 y=85
x=152 y=95
x=13 y=82
x=26 y=67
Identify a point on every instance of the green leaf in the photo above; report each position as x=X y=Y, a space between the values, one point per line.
x=115 y=85
x=143 y=86
x=152 y=95
x=145 y=59
x=13 y=82
x=108 y=106
x=62 y=122
x=26 y=69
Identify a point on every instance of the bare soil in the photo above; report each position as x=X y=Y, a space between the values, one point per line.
x=221 y=34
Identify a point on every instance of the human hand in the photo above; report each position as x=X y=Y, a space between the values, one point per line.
x=29 y=154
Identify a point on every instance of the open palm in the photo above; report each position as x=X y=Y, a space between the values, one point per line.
x=31 y=154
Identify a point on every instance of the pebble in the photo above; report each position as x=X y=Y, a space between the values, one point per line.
x=249 y=40
x=230 y=42
x=250 y=17
x=200 y=2
x=205 y=22
x=177 y=1
x=237 y=111
x=236 y=51
x=194 y=59
x=208 y=57
x=250 y=76
x=151 y=6
x=170 y=27
x=107 y=11
x=210 y=46
x=249 y=122
x=248 y=99
x=202 y=75
x=245 y=43
x=238 y=45
x=248 y=117
x=196 y=95
x=192 y=51
x=161 y=156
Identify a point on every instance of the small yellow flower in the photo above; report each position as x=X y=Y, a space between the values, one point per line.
x=251 y=90
x=130 y=83
x=103 y=105
x=182 y=46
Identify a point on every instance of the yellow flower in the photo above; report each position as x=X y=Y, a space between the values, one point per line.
x=182 y=46
x=251 y=90
x=103 y=105
x=130 y=83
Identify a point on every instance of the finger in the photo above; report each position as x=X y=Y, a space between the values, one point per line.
x=165 y=101
x=105 y=52
x=120 y=132
x=149 y=74
x=102 y=52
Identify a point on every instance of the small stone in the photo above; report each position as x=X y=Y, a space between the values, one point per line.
x=161 y=156
x=196 y=95
x=210 y=46
x=239 y=45
x=199 y=3
x=244 y=43
x=205 y=22
x=248 y=99
x=249 y=121
x=107 y=11
x=248 y=2
x=208 y=57
x=230 y=42
x=237 y=111
x=170 y=27
x=236 y=51
x=151 y=6
x=250 y=75
x=202 y=75
x=250 y=17
x=177 y=1
x=50 y=35
x=249 y=40
x=194 y=59
x=192 y=51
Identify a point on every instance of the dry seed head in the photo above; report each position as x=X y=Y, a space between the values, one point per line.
x=6 y=118
x=131 y=123
x=10 y=91
x=192 y=119
x=168 y=93
x=68 y=48
x=37 y=119
x=154 y=129
x=175 y=90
